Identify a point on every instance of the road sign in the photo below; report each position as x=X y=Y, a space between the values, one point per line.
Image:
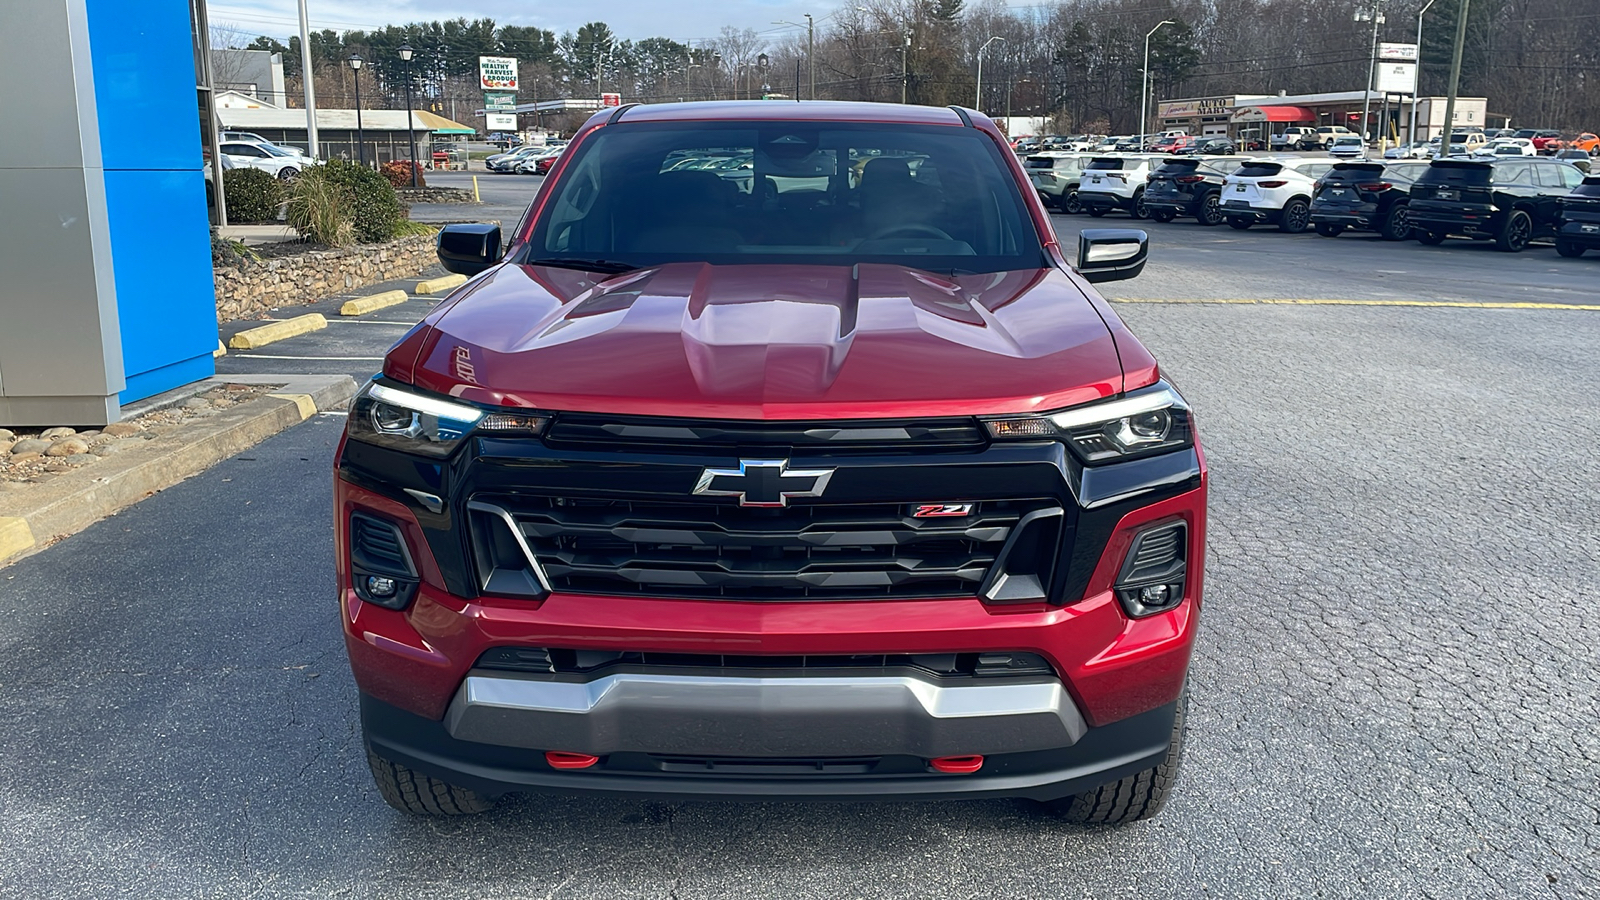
x=1397 y=77
x=610 y=99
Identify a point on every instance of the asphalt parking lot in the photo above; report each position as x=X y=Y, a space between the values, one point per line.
x=1394 y=695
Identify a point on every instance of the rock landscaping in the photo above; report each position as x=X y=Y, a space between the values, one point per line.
x=249 y=287
x=38 y=457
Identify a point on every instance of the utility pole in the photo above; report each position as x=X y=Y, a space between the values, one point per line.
x=1455 y=79
x=1412 y=135
x=905 y=76
x=811 y=53
x=1144 y=93
x=308 y=81
x=1362 y=15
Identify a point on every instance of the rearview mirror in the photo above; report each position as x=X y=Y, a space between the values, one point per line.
x=1112 y=254
x=469 y=249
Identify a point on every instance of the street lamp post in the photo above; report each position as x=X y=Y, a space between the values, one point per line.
x=1376 y=18
x=977 y=99
x=411 y=132
x=811 y=52
x=1417 y=88
x=905 y=72
x=307 y=81
x=361 y=138
x=1144 y=92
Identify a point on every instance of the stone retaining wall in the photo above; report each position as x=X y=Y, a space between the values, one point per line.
x=248 y=288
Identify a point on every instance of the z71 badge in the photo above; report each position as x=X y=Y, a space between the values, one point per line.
x=934 y=510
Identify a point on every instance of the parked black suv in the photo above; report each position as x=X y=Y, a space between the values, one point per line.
x=1189 y=187
x=1366 y=196
x=1510 y=200
x=1212 y=146
x=1579 y=223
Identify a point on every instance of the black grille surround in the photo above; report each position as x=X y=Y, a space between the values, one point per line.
x=713 y=548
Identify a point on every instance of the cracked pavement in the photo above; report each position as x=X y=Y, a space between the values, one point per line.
x=1395 y=693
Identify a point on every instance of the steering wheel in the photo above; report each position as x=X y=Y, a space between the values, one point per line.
x=911 y=230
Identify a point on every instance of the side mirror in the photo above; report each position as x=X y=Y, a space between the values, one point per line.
x=469 y=249
x=1112 y=254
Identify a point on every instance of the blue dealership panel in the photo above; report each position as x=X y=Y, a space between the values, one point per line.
x=144 y=82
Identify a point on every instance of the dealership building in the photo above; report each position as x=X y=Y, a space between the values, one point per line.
x=1245 y=116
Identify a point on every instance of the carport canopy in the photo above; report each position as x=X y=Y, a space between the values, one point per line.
x=1273 y=114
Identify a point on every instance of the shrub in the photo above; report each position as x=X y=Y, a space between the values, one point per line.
x=319 y=209
x=399 y=173
x=252 y=195
x=373 y=209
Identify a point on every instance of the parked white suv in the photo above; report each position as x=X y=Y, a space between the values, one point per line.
x=1272 y=191
x=280 y=161
x=1117 y=182
x=1057 y=176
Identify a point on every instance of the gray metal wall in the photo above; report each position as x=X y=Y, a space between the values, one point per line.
x=60 y=348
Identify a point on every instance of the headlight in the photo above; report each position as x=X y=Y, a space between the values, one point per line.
x=1142 y=423
x=432 y=426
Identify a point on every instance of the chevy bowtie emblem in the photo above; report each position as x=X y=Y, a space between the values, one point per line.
x=763 y=482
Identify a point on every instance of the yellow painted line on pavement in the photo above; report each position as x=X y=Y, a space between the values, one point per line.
x=439 y=285
x=15 y=537
x=372 y=303
x=1460 y=304
x=260 y=336
x=307 y=403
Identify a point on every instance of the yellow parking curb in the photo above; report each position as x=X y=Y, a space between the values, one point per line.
x=220 y=351
x=306 y=402
x=1460 y=304
x=439 y=285
x=363 y=305
x=255 y=338
x=15 y=537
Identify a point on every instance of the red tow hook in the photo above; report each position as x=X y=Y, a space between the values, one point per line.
x=956 y=765
x=560 y=759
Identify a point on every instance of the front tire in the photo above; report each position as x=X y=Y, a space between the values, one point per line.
x=1570 y=249
x=1070 y=204
x=423 y=795
x=1163 y=215
x=1136 y=797
x=1431 y=238
x=1241 y=224
x=1096 y=211
x=1329 y=229
x=1514 y=234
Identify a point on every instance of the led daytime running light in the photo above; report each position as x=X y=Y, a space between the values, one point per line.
x=1100 y=413
x=443 y=409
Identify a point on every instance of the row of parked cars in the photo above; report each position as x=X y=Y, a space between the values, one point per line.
x=1510 y=200
x=529 y=160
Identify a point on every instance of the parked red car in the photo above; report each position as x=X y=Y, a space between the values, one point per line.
x=825 y=476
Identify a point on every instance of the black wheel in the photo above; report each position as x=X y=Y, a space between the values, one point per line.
x=1296 y=216
x=1096 y=211
x=1569 y=249
x=1431 y=238
x=1397 y=224
x=423 y=795
x=1514 y=232
x=1241 y=224
x=1139 y=210
x=287 y=172
x=1069 y=202
x=1136 y=797
x=1163 y=215
x=1329 y=229
x=1211 y=210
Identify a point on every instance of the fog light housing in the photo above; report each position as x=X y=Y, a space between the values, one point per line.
x=381 y=587
x=1155 y=571
x=381 y=568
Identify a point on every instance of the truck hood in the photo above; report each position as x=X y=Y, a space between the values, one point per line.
x=769 y=342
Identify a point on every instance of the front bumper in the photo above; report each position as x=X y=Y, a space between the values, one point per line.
x=844 y=715
x=1101 y=755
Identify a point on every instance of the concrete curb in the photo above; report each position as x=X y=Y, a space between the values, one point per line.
x=260 y=336
x=372 y=303
x=76 y=500
x=439 y=285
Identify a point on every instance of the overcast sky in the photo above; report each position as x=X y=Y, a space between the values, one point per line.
x=682 y=20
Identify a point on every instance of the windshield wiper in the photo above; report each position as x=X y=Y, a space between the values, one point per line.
x=587 y=265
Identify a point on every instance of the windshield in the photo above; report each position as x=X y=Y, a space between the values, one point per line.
x=933 y=197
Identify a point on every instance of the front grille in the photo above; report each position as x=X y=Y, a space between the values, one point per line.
x=724 y=551
x=613 y=433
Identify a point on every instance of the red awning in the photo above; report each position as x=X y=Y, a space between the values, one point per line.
x=1273 y=114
